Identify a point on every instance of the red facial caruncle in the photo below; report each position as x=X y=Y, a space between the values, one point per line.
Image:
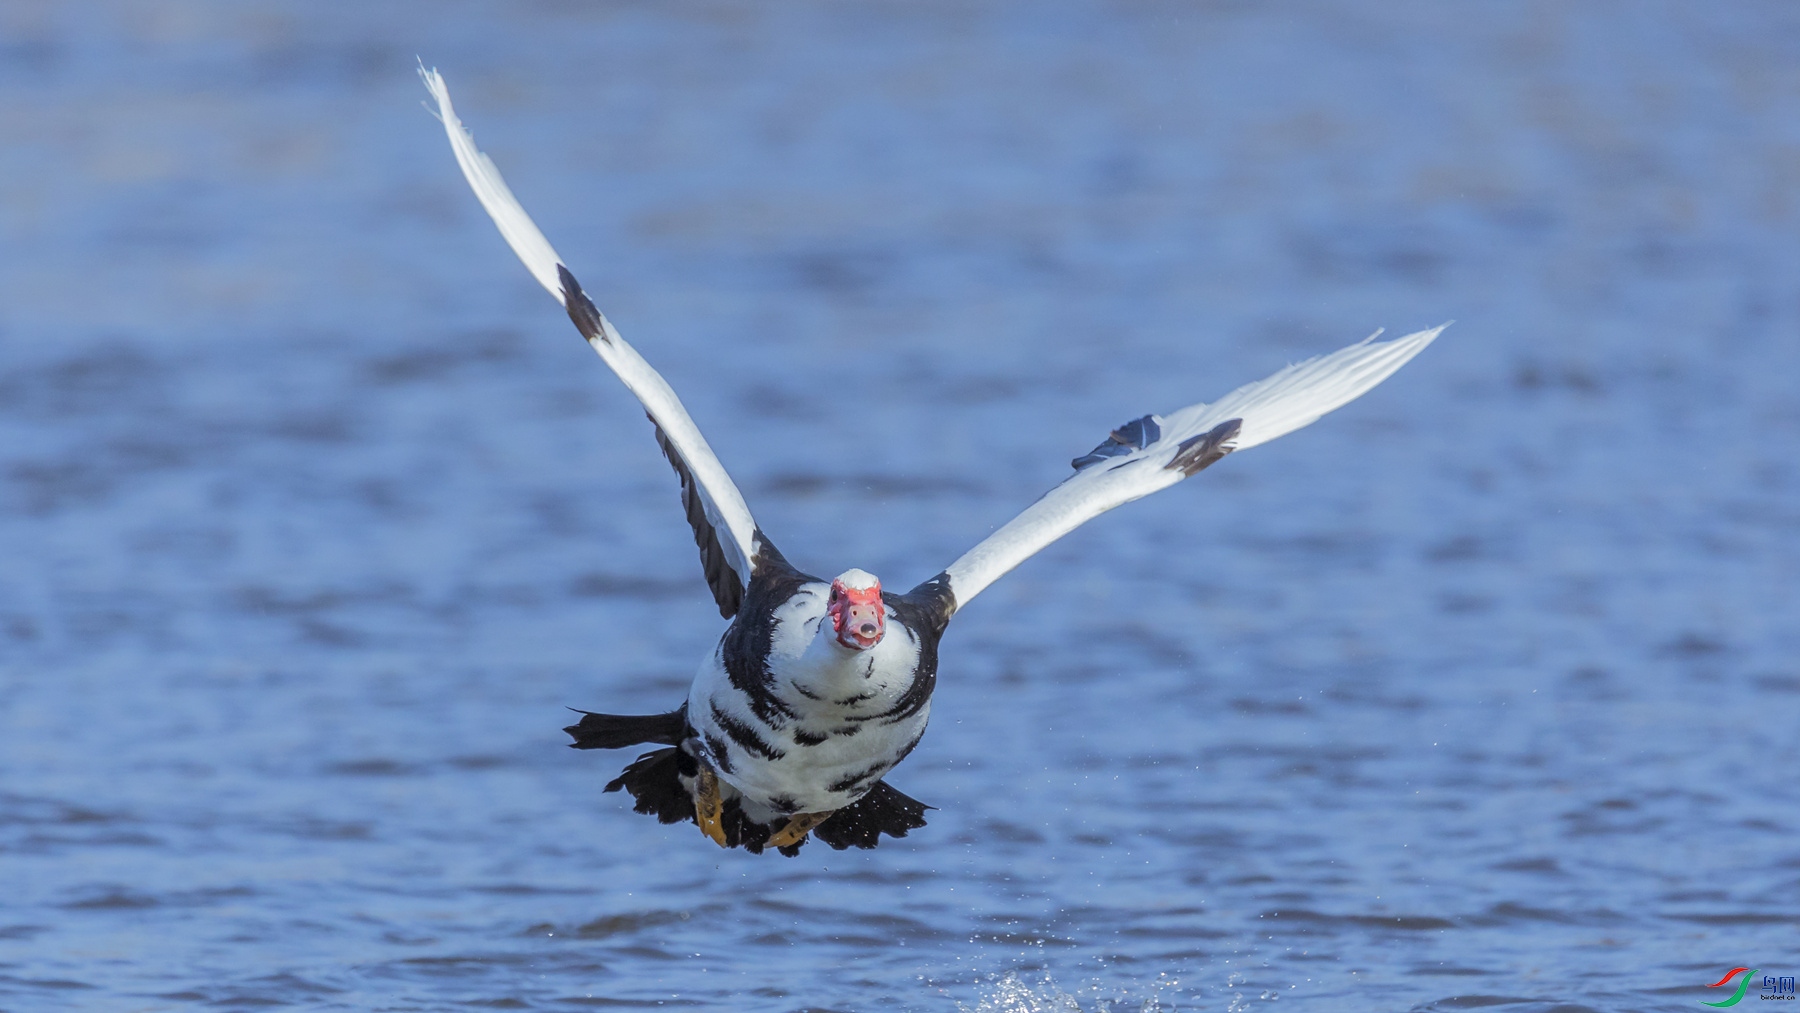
x=857 y=614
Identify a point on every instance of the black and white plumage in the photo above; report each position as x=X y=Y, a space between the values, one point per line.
x=818 y=688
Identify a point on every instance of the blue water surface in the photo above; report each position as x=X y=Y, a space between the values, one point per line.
x=315 y=513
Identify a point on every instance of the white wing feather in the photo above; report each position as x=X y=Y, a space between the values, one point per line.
x=724 y=506
x=1291 y=399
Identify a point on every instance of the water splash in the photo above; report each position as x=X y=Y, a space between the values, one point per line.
x=1011 y=994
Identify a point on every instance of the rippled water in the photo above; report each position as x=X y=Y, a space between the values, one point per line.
x=315 y=514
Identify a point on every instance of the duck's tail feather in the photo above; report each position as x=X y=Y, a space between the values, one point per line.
x=615 y=731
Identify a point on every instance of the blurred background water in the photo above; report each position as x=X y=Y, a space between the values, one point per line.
x=315 y=512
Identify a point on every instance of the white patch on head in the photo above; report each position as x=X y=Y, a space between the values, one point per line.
x=858 y=580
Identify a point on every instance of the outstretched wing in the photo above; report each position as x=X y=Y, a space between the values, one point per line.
x=1155 y=452
x=723 y=528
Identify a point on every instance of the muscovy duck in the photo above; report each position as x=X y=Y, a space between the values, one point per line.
x=818 y=688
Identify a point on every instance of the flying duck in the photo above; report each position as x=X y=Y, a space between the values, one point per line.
x=818 y=688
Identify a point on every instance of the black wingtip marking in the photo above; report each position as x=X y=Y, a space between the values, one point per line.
x=581 y=309
x=1197 y=452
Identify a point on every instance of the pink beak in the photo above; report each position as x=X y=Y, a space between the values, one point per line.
x=861 y=626
x=858 y=615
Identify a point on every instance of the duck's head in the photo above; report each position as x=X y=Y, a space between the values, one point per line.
x=857 y=615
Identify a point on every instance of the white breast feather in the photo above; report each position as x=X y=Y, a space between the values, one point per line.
x=846 y=685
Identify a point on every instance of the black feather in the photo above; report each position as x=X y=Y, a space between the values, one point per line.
x=882 y=811
x=653 y=779
x=1197 y=452
x=615 y=731
x=746 y=645
x=582 y=310
x=726 y=583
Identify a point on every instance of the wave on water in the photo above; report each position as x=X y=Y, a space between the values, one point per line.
x=1010 y=993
